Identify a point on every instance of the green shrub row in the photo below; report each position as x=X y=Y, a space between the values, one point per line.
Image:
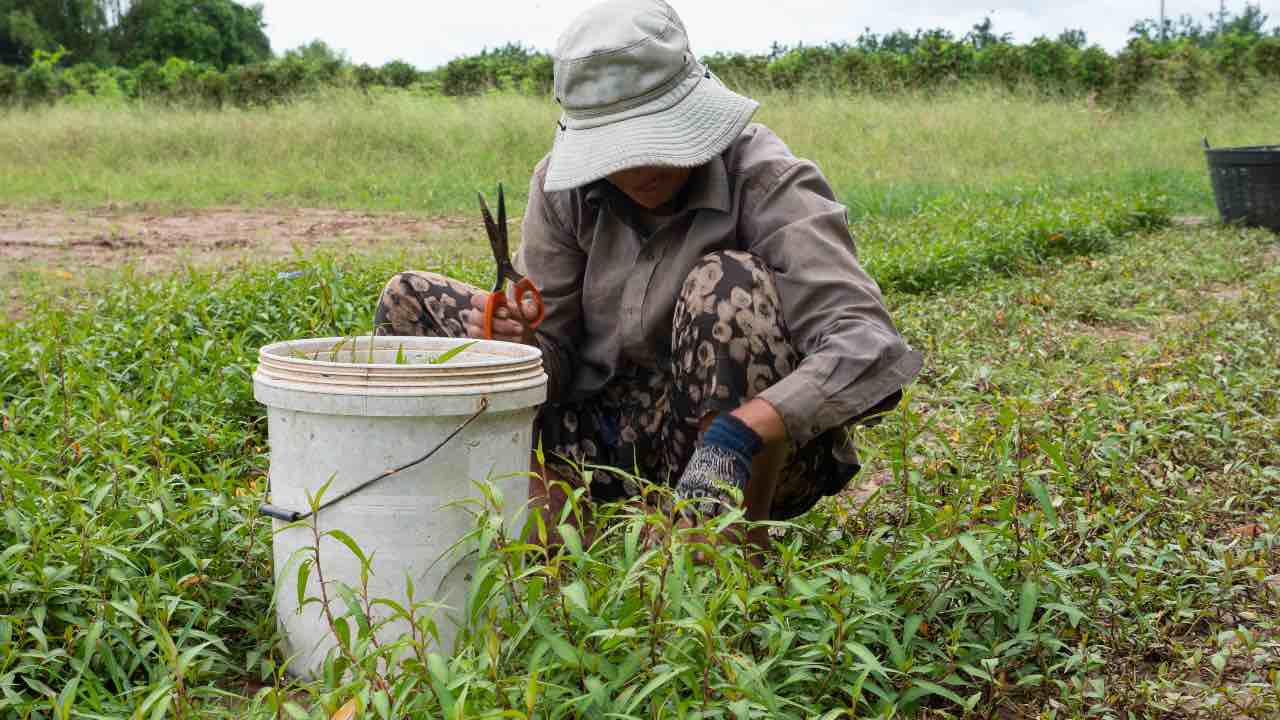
x=1183 y=67
x=1053 y=66
x=179 y=81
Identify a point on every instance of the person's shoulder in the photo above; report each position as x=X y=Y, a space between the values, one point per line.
x=757 y=158
x=758 y=143
x=557 y=206
x=563 y=209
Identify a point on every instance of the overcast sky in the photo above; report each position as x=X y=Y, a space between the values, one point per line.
x=429 y=33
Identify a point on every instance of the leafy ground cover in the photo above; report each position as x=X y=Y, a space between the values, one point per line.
x=1072 y=517
x=885 y=154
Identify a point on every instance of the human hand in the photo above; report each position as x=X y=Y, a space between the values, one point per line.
x=508 y=324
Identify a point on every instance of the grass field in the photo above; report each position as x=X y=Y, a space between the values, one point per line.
x=884 y=155
x=1073 y=515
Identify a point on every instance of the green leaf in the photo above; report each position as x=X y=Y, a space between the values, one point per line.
x=350 y=542
x=910 y=629
x=855 y=691
x=451 y=353
x=90 y=644
x=531 y=693
x=652 y=685
x=868 y=658
x=1074 y=615
x=190 y=654
x=342 y=632
x=438 y=668
x=561 y=647
x=1027 y=603
x=576 y=594
x=304 y=574
x=982 y=574
x=572 y=541
x=1042 y=496
x=971 y=545
x=920 y=688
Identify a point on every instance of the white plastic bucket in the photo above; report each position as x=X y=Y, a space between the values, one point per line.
x=335 y=410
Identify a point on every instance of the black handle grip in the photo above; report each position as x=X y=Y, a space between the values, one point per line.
x=279 y=513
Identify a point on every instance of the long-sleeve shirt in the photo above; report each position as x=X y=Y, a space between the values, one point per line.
x=610 y=286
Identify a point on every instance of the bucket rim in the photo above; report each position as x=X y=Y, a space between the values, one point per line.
x=514 y=356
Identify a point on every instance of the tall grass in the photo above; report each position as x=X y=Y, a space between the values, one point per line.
x=886 y=155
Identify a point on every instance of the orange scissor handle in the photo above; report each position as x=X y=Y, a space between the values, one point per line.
x=522 y=289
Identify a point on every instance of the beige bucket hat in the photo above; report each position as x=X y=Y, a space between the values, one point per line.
x=633 y=95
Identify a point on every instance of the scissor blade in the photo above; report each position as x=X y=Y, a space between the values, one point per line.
x=497 y=242
x=489 y=225
x=502 y=215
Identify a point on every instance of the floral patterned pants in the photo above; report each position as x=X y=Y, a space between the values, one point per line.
x=729 y=342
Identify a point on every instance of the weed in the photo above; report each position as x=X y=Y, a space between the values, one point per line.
x=1081 y=524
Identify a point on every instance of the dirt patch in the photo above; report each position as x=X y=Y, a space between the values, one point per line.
x=863 y=488
x=103 y=237
x=1191 y=220
x=63 y=244
x=1118 y=334
x=1225 y=293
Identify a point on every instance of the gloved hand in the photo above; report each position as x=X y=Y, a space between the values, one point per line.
x=721 y=460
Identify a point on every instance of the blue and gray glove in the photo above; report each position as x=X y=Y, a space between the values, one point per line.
x=721 y=460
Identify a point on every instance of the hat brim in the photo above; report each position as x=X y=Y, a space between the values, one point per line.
x=688 y=134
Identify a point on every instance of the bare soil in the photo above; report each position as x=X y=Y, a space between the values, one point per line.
x=108 y=236
x=67 y=245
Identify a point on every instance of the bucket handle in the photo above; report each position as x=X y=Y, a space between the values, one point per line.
x=1207 y=146
x=291 y=516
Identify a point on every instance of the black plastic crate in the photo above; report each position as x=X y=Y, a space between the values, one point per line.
x=1246 y=184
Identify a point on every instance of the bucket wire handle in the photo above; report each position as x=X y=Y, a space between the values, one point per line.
x=279 y=513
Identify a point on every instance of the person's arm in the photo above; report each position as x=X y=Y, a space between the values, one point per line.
x=854 y=360
x=854 y=363
x=551 y=257
x=761 y=417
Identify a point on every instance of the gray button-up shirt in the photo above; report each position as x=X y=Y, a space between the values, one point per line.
x=610 y=288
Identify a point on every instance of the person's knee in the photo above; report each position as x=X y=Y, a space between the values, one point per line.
x=398 y=292
x=403 y=283
x=730 y=305
x=721 y=262
x=722 y=274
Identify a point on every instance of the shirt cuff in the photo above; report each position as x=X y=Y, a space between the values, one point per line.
x=796 y=397
x=807 y=410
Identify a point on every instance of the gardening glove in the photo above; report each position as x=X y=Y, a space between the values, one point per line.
x=721 y=463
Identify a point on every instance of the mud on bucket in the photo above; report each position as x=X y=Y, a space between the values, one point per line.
x=350 y=409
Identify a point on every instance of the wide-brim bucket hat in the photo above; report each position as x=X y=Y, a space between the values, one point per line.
x=633 y=95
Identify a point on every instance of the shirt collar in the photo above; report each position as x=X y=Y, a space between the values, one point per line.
x=708 y=188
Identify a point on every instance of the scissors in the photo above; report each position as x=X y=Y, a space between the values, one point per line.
x=524 y=287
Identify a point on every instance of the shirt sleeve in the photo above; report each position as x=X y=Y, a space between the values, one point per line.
x=854 y=359
x=551 y=257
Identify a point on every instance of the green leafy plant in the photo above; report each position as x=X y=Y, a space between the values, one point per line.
x=1073 y=510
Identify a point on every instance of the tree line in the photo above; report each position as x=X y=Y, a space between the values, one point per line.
x=216 y=53
x=127 y=33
